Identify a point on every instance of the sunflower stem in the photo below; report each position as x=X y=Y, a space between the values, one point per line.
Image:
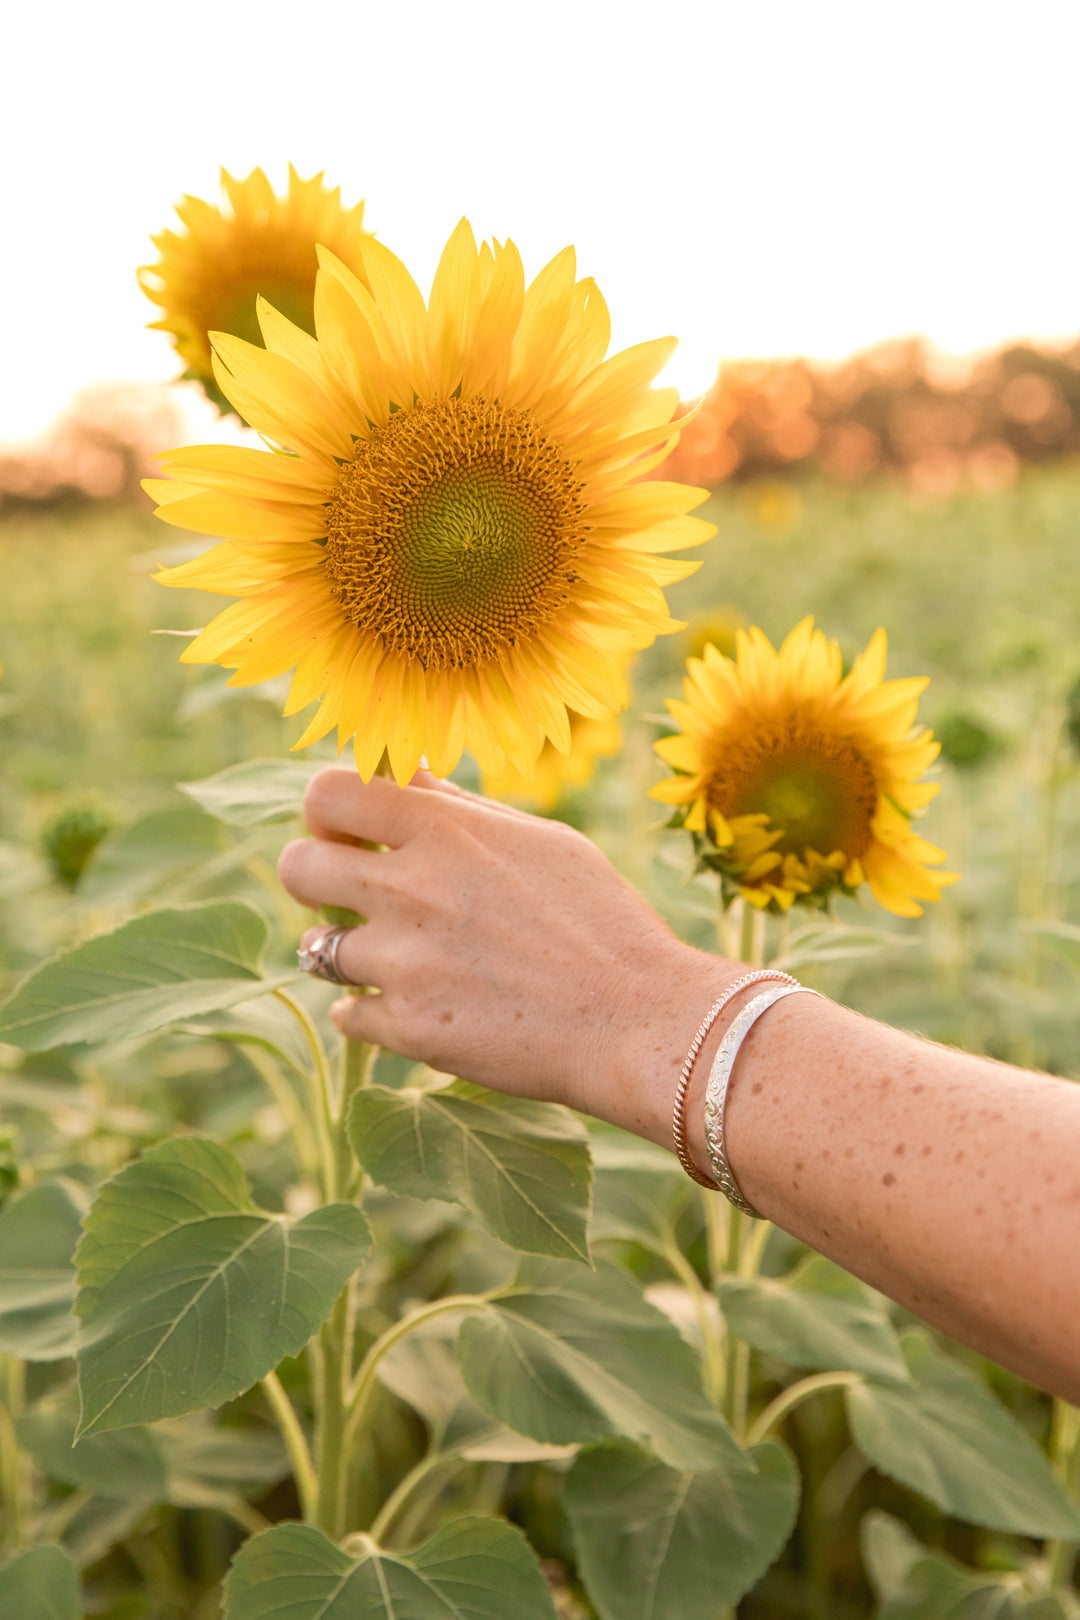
x=15 y=1479
x=795 y=1394
x=319 y=1087
x=1065 y=1454
x=331 y=1452
x=296 y=1445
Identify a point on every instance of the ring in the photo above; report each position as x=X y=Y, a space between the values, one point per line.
x=320 y=957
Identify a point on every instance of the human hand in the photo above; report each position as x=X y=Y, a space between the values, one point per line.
x=505 y=946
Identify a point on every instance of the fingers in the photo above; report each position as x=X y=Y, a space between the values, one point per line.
x=371 y=1019
x=338 y=806
x=440 y=784
x=321 y=873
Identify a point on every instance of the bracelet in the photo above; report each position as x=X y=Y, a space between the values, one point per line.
x=678 y=1122
x=720 y=1080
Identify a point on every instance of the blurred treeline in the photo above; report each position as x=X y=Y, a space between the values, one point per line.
x=941 y=421
x=99 y=448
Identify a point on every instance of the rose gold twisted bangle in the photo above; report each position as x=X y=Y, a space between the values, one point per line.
x=678 y=1122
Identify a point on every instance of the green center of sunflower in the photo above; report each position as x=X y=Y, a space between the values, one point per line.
x=292 y=296
x=454 y=532
x=816 y=788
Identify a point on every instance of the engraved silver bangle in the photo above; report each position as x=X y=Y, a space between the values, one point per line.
x=678 y=1123
x=720 y=1080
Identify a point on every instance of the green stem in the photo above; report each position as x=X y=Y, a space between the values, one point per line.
x=1065 y=1453
x=736 y=1351
x=291 y=1106
x=404 y=1489
x=359 y=1063
x=751 y=936
x=754 y=1252
x=322 y=1104
x=365 y=1382
x=332 y=1449
x=15 y=1484
x=296 y=1445
x=795 y=1394
x=712 y=1344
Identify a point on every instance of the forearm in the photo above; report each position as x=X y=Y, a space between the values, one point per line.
x=950 y=1182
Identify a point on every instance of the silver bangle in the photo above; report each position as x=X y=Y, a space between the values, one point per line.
x=678 y=1122
x=720 y=1080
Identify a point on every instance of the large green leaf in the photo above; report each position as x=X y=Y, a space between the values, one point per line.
x=570 y=1355
x=135 y=862
x=655 y=1543
x=38 y=1234
x=189 y=1294
x=255 y=792
x=153 y=971
x=819 y=1316
x=40 y=1584
x=640 y=1191
x=470 y=1569
x=522 y=1168
x=946 y=1435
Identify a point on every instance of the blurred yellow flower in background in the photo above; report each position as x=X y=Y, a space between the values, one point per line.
x=590 y=740
x=457 y=549
x=210 y=273
x=796 y=780
x=717 y=627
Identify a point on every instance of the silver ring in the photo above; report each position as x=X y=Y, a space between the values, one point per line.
x=321 y=957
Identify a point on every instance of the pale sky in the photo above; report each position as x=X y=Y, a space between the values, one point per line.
x=757 y=178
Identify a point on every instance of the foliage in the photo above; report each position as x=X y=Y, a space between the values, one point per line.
x=503 y=1385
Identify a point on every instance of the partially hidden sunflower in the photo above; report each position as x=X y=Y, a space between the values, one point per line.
x=210 y=273
x=590 y=740
x=798 y=781
x=455 y=549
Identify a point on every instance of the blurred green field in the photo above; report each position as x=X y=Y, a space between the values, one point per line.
x=981 y=592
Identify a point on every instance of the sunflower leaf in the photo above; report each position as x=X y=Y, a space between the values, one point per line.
x=655 y=1542
x=254 y=793
x=567 y=1355
x=819 y=1316
x=40 y=1584
x=189 y=1294
x=153 y=971
x=522 y=1168
x=38 y=1234
x=470 y=1569
x=946 y=1435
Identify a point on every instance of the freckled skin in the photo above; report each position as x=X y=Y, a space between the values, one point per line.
x=563 y=985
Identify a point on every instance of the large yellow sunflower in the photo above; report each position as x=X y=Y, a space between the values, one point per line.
x=796 y=780
x=210 y=273
x=456 y=549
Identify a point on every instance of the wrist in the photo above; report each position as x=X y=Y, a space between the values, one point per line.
x=654 y=1016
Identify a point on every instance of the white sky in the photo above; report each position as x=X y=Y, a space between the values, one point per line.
x=756 y=176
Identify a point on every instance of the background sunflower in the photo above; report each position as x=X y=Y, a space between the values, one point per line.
x=210 y=273
x=800 y=780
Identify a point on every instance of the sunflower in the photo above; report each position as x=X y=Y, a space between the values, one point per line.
x=210 y=274
x=455 y=550
x=796 y=780
x=590 y=740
